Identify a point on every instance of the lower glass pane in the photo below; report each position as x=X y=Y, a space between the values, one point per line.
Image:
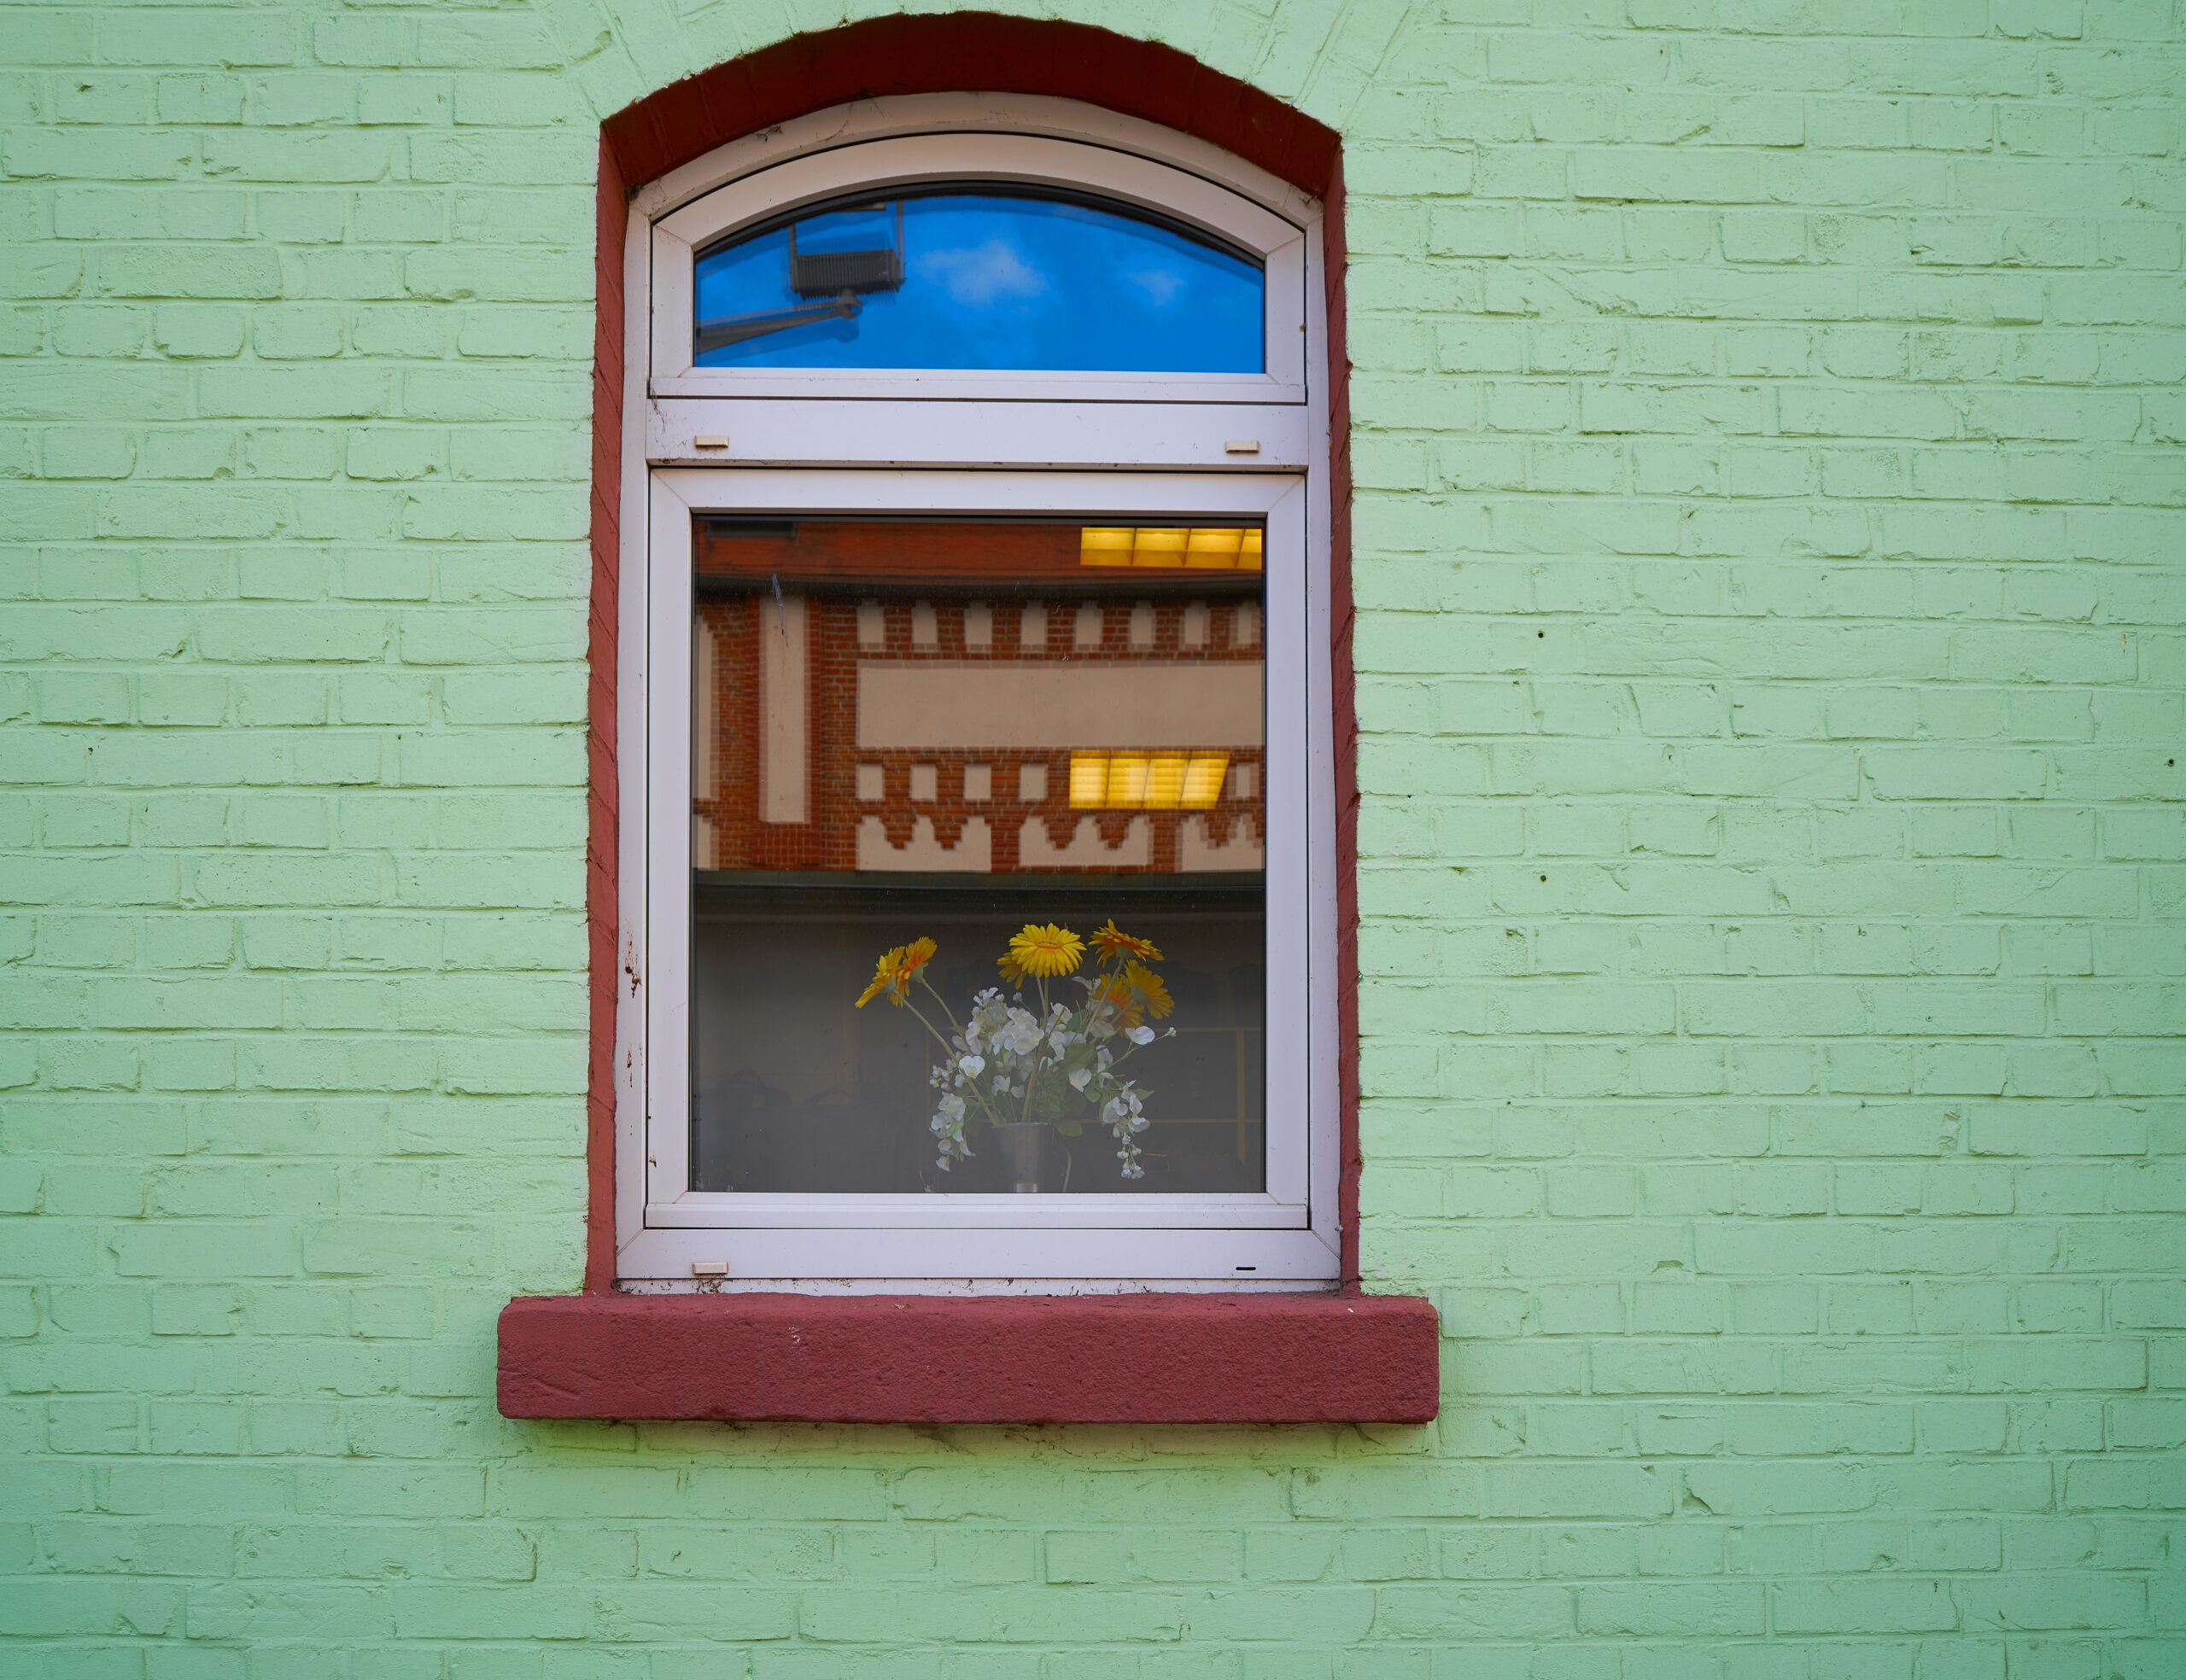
x=978 y=834
x=800 y=1090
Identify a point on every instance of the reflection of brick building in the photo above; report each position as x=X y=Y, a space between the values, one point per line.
x=841 y=729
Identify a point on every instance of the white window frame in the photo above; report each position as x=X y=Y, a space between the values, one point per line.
x=1107 y=447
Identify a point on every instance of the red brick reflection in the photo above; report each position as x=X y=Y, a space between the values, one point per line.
x=844 y=627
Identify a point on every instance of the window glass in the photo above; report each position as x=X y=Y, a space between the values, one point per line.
x=983 y=276
x=978 y=823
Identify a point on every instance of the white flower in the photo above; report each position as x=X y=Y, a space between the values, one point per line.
x=1081 y=1079
x=973 y=1066
x=1141 y=1035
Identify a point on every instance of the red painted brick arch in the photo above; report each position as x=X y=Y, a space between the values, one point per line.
x=964 y=52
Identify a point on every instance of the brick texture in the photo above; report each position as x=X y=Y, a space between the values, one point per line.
x=1771 y=649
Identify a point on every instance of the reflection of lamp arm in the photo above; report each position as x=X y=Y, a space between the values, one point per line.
x=727 y=329
x=830 y=281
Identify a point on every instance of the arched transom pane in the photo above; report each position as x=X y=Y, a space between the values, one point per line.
x=979 y=276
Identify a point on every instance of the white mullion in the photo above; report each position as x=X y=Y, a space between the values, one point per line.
x=882 y=163
x=1090 y=1210
x=1285 y=344
x=771 y=490
x=813 y=432
x=672 y=316
x=668 y=813
x=1285 y=654
x=910 y=1258
x=1324 y=1138
x=633 y=713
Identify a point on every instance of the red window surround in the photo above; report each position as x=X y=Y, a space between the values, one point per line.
x=1147 y=1357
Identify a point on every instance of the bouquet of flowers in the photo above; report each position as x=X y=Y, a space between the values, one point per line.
x=1028 y=1056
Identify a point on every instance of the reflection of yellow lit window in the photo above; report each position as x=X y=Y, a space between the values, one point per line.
x=1162 y=547
x=1099 y=545
x=1202 y=547
x=1089 y=780
x=1147 y=781
x=1214 y=548
x=1203 y=780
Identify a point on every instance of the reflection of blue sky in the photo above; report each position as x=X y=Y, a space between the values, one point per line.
x=993 y=282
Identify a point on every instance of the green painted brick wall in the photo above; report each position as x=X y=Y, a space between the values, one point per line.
x=1768 y=428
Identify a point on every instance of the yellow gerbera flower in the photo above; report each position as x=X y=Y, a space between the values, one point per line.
x=1148 y=987
x=1112 y=939
x=884 y=978
x=1046 y=951
x=892 y=973
x=1114 y=990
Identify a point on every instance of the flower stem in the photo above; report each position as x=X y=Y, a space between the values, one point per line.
x=972 y=1085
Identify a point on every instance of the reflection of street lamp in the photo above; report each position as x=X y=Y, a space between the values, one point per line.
x=837 y=279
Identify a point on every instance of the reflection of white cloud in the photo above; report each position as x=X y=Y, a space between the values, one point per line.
x=1162 y=286
x=981 y=274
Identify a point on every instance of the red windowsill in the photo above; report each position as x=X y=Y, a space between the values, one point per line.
x=977 y=1359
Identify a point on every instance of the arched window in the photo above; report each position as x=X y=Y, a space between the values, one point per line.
x=978 y=857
